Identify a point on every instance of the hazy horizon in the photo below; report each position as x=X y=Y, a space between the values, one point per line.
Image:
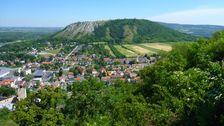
x=52 y=13
x=100 y=20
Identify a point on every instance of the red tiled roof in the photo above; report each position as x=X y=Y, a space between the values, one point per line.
x=106 y=77
x=81 y=69
x=61 y=78
x=102 y=69
x=94 y=70
x=77 y=78
x=137 y=78
x=106 y=59
x=122 y=79
x=70 y=73
x=6 y=82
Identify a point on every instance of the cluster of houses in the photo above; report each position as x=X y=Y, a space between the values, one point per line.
x=125 y=69
x=76 y=67
x=11 y=63
x=9 y=79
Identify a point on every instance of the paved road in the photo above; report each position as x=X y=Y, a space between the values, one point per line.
x=74 y=50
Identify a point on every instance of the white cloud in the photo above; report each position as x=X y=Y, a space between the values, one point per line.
x=214 y=16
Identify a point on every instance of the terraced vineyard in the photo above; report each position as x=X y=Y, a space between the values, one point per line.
x=107 y=48
x=121 y=52
x=128 y=50
x=133 y=50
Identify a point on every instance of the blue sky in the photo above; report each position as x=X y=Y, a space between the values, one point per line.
x=51 y=13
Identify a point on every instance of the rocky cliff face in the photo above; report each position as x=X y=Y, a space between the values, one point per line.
x=80 y=29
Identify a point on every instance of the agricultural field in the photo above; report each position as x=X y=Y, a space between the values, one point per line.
x=133 y=50
x=125 y=52
x=159 y=46
x=121 y=50
x=138 y=49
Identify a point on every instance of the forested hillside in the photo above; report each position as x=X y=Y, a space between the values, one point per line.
x=184 y=88
x=9 y=34
x=121 y=30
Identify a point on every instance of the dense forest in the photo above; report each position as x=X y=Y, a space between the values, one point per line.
x=122 y=31
x=184 y=88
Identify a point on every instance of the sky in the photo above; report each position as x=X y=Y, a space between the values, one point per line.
x=59 y=13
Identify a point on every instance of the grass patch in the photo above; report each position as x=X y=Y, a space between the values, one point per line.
x=55 y=51
x=159 y=46
x=45 y=54
x=48 y=53
x=150 y=48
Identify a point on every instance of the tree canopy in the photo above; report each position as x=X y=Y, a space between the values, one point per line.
x=41 y=108
x=187 y=84
x=185 y=87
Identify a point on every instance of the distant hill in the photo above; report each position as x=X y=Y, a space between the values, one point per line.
x=196 y=30
x=121 y=30
x=8 y=34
